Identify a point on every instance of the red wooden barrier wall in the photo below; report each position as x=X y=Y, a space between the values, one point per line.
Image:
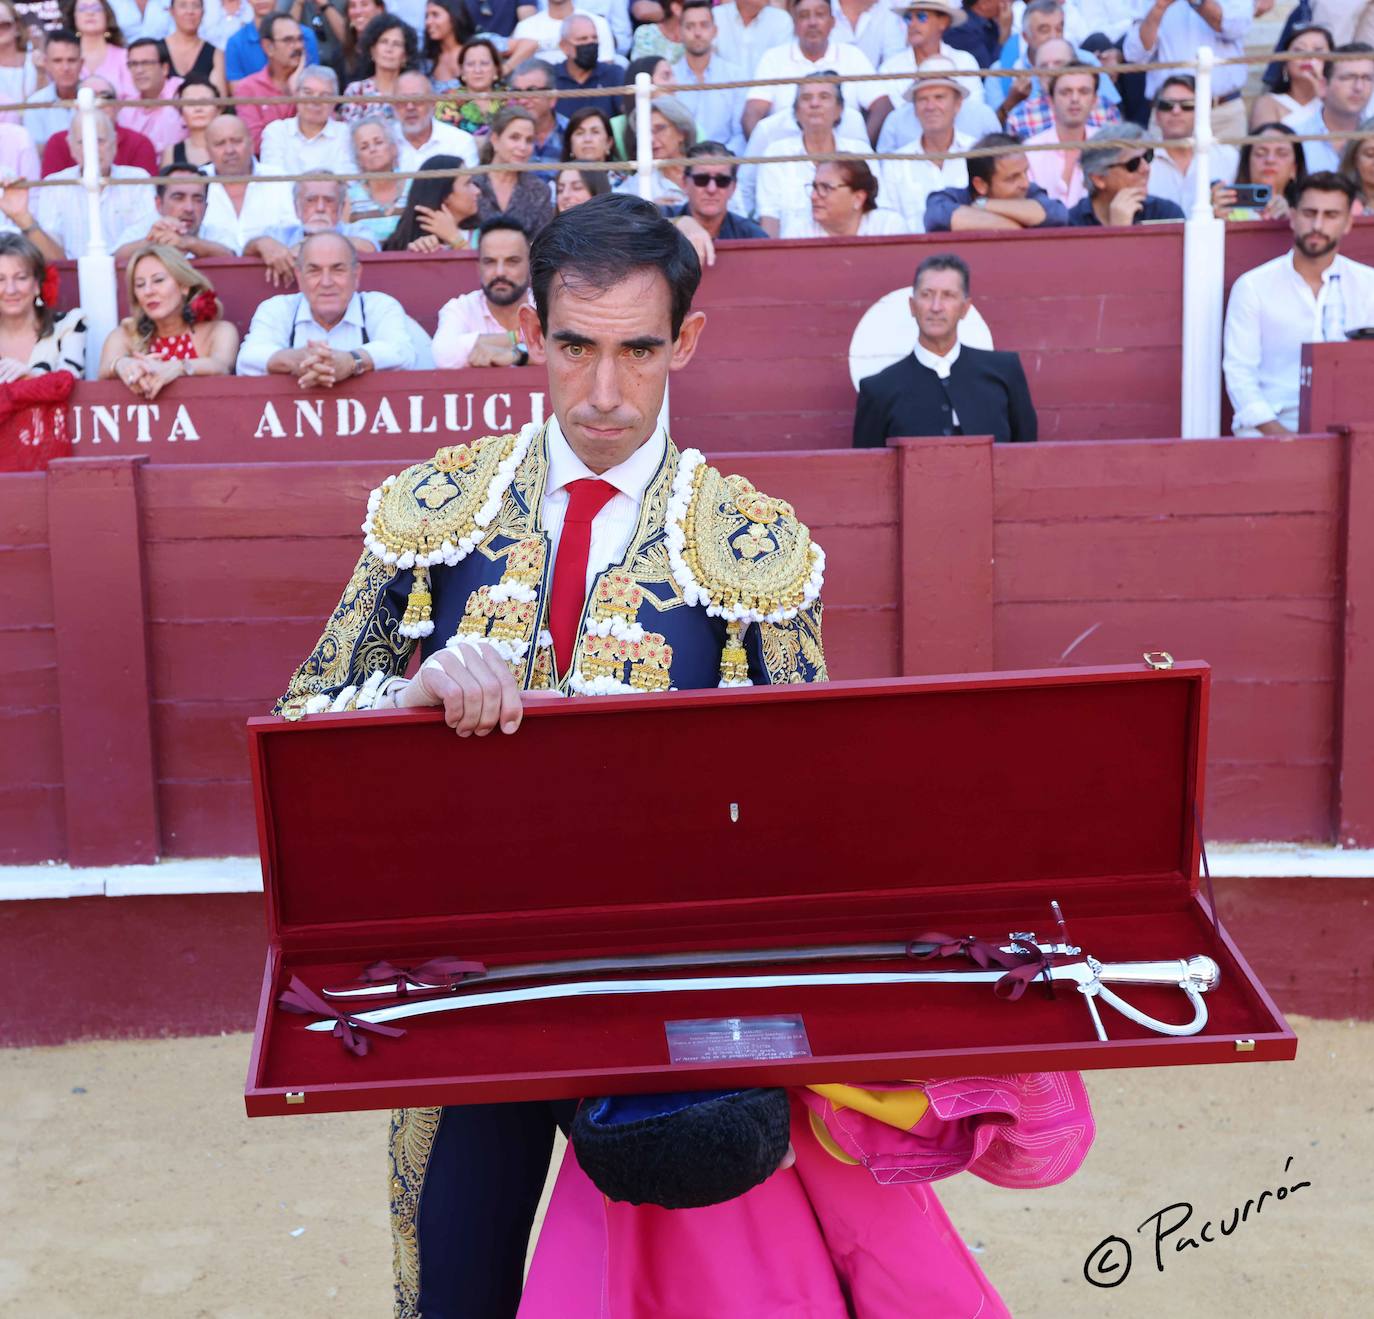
x=1095 y=314
x=944 y=556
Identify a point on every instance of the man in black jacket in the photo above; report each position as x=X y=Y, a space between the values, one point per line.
x=944 y=388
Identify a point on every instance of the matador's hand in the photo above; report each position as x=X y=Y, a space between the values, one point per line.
x=473 y=684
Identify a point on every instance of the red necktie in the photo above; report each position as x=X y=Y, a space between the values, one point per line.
x=586 y=498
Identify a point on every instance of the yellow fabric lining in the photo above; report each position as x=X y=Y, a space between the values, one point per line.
x=902 y=1109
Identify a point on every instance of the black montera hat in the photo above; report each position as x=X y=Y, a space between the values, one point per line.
x=681 y=1151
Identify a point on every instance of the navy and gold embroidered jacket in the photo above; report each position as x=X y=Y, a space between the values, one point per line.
x=720 y=584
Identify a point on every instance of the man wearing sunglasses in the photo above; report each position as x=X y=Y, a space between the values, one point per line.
x=1118 y=180
x=710 y=184
x=1173 y=175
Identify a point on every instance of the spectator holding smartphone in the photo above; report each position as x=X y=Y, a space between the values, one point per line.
x=1276 y=162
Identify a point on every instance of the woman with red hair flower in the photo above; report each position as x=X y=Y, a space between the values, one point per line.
x=34 y=339
x=176 y=327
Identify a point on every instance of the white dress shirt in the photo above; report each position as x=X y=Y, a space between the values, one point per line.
x=154 y=21
x=266 y=206
x=444 y=140
x=787 y=61
x=614 y=526
x=1271 y=314
x=941 y=366
x=879 y=33
x=1182 y=32
x=798 y=224
x=373 y=321
x=1175 y=185
x=461 y=322
x=782 y=187
x=743 y=43
x=1318 y=155
x=61 y=212
x=219 y=24
x=286 y=150
x=906 y=184
x=547 y=34
x=903 y=64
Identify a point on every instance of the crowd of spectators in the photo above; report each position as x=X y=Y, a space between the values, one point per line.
x=469 y=73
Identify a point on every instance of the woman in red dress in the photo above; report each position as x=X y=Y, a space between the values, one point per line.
x=177 y=327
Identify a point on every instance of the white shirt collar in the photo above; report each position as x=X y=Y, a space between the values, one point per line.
x=353 y=313
x=631 y=477
x=933 y=361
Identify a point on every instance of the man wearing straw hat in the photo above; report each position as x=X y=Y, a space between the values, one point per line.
x=936 y=96
x=927 y=22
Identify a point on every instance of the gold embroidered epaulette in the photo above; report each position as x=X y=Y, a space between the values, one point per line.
x=740 y=553
x=436 y=512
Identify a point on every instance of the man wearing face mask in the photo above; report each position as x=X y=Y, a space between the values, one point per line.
x=583 y=67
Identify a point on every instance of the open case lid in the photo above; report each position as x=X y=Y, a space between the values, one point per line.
x=820 y=814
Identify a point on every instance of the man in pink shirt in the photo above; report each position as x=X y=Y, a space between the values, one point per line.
x=150 y=68
x=1073 y=96
x=482 y=328
x=285 y=49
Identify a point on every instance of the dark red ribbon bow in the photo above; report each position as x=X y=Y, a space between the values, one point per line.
x=1031 y=964
x=300 y=998
x=437 y=973
x=979 y=951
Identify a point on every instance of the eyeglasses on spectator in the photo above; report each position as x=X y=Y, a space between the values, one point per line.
x=721 y=181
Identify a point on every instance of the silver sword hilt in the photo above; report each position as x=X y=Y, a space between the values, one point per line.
x=1194 y=977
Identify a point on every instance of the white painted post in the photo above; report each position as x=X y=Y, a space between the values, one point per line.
x=95 y=268
x=1204 y=266
x=644 y=147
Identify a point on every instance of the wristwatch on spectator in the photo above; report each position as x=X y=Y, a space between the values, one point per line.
x=980 y=203
x=359 y=361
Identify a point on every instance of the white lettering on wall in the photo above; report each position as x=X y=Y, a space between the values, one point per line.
x=269 y=423
x=385 y=418
x=183 y=428
x=352 y=417
x=143 y=414
x=419 y=424
x=310 y=411
x=489 y=412
x=451 y=415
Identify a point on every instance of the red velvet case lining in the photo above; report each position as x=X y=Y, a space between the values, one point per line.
x=871 y=810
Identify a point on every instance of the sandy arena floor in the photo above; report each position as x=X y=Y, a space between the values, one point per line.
x=132 y=1187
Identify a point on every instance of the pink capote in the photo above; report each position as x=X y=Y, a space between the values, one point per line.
x=824 y=1239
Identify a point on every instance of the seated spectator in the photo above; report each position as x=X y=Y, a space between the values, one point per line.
x=375 y=205
x=181 y=196
x=1309 y=295
x=582 y=69
x=62 y=212
x=1277 y=160
x=785 y=187
x=1349 y=89
x=479 y=73
x=197 y=111
x=1044 y=26
x=17 y=218
x=175 y=326
x=245 y=54
x=283 y=47
x=149 y=68
x=812 y=51
x=244 y=210
x=1297 y=85
x=1170 y=33
x=328 y=332
x=1000 y=194
x=520 y=194
x=844 y=204
x=589 y=137
x=709 y=182
x=1174 y=175
x=531 y=76
x=747 y=28
x=539 y=35
x=421 y=134
x=986 y=29
x=1035 y=114
x=672 y=135
x=187 y=51
x=1118 y=182
x=321 y=206
x=440 y=213
x=225 y=19
x=944 y=388
x=719 y=115
x=311 y=138
x=660 y=79
x=879 y=30
x=389 y=47
x=909 y=183
x=482 y=328
x=1357 y=164
x=663 y=36
x=927 y=23
x=102 y=43
x=358 y=14
x=130 y=148
x=575 y=186
x=33 y=338
x=18 y=159
x=20 y=74
x=44 y=118
x=448 y=29
x=1060 y=173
